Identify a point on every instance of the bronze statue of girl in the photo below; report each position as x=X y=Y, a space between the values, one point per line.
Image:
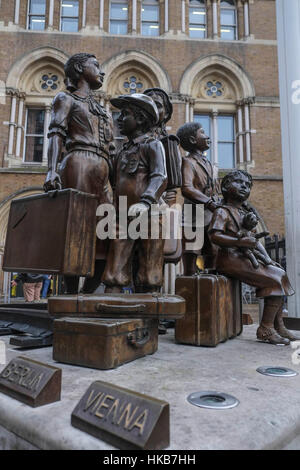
x=269 y=278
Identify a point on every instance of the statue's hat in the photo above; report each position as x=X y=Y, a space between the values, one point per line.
x=140 y=100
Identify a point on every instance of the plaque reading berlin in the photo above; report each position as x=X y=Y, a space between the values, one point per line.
x=31 y=382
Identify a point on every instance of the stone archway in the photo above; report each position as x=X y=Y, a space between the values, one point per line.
x=236 y=75
x=139 y=63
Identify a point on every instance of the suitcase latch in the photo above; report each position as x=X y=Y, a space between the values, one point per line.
x=139 y=337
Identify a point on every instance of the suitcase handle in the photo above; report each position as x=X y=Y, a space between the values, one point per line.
x=104 y=308
x=138 y=338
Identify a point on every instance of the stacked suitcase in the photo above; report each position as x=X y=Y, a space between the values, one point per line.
x=105 y=331
x=213 y=309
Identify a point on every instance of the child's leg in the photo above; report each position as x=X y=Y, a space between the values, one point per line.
x=266 y=331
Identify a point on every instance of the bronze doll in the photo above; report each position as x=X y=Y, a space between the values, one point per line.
x=269 y=278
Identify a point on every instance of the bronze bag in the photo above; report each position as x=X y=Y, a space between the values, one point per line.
x=103 y=344
x=52 y=233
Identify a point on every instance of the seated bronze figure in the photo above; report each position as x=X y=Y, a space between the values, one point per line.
x=268 y=277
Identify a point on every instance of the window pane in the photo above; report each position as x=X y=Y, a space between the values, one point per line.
x=150 y=13
x=35 y=121
x=197 y=31
x=204 y=120
x=226 y=155
x=34 y=149
x=228 y=32
x=37 y=7
x=225 y=128
x=70 y=8
x=197 y=16
x=150 y=29
x=228 y=17
x=229 y=3
x=197 y=2
x=118 y=11
x=118 y=27
x=69 y=25
x=36 y=23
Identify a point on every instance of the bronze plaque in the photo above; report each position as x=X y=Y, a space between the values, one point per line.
x=31 y=382
x=123 y=418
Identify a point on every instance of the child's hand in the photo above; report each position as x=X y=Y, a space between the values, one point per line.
x=247 y=242
x=137 y=209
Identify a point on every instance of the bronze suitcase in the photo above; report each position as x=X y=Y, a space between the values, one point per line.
x=118 y=305
x=212 y=314
x=52 y=233
x=103 y=344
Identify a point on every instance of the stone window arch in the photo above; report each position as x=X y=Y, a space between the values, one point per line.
x=218 y=94
x=32 y=83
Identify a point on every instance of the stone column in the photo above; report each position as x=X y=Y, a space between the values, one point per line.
x=51 y=12
x=134 y=22
x=240 y=133
x=215 y=18
x=17 y=11
x=215 y=159
x=46 y=141
x=187 y=111
x=246 y=20
x=12 y=123
x=20 y=125
x=101 y=24
x=166 y=16
x=288 y=39
x=83 y=14
x=183 y=16
x=247 y=129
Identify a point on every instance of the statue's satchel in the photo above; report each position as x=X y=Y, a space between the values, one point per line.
x=173 y=161
x=118 y=306
x=173 y=242
x=52 y=233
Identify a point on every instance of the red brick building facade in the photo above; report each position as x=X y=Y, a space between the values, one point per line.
x=216 y=58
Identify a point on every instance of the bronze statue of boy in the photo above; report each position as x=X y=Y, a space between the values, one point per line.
x=198 y=187
x=139 y=175
x=269 y=278
x=82 y=127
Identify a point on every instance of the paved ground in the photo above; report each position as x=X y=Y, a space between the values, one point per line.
x=268 y=416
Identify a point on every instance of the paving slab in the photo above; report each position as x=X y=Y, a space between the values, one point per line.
x=268 y=416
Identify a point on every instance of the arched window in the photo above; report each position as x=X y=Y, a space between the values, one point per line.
x=69 y=18
x=228 y=19
x=150 y=18
x=36 y=15
x=118 y=17
x=221 y=130
x=197 y=19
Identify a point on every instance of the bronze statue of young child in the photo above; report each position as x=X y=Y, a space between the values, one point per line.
x=82 y=129
x=140 y=176
x=269 y=278
x=198 y=187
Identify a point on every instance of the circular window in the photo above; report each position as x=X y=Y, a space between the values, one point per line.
x=49 y=82
x=133 y=85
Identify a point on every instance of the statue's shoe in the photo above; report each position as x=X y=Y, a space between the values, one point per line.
x=282 y=330
x=285 y=333
x=269 y=335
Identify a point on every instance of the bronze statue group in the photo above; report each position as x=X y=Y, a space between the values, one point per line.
x=147 y=170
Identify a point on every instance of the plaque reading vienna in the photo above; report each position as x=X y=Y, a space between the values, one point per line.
x=31 y=382
x=125 y=419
